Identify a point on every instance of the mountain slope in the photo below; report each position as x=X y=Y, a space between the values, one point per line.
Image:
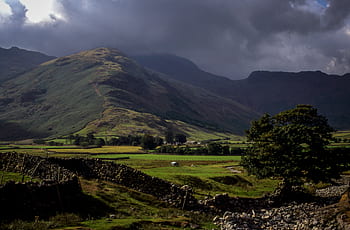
x=276 y=91
x=266 y=92
x=182 y=69
x=15 y=61
x=63 y=95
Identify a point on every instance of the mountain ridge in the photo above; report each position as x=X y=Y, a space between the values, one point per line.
x=267 y=91
x=14 y=61
x=65 y=94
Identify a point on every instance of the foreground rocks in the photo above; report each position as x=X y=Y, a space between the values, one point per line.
x=323 y=213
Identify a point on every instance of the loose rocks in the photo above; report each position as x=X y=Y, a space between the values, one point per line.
x=293 y=216
x=321 y=214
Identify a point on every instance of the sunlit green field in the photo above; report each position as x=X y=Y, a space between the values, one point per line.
x=11 y=176
x=342 y=134
x=102 y=150
x=214 y=178
x=205 y=174
x=163 y=157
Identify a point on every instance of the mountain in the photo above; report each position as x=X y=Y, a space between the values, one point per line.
x=97 y=89
x=263 y=91
x=184 y=70
x=272 y=92
x=15 y=61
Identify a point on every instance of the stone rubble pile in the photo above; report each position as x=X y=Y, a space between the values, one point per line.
x=332 y=191
x=292 y=216
x=318 y=215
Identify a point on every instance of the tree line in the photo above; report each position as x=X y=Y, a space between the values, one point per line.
x=209 y=149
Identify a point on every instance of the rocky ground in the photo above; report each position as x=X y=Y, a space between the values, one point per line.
x=321 y=214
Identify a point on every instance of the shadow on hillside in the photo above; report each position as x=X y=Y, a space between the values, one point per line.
x=12 y=131
x=27 y=202
x=232 y=180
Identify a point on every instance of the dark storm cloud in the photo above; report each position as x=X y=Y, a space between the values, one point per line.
x=222 y=36
x=337 y=13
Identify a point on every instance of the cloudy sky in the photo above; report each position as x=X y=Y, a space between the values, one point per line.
x=226 y=37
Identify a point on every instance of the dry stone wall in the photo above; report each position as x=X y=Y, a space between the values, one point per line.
x=44 y=199
x=58 y=191
x=131 y=178
x=34 y=166
x=64 y=170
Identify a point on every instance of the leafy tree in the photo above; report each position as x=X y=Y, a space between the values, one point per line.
x=214 y=148
x=100 y=142
x=148 y=142
x=292 y=145
x=237 y=151
x=169 y=136
x=180 y=138
x=226 y=150
x=39 y=141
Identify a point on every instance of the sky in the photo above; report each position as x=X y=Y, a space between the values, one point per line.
x=226 y=37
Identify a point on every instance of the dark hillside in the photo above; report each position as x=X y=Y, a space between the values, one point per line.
x=182 y=69
x=273 y=92
x=15 y=61
x=266 y=92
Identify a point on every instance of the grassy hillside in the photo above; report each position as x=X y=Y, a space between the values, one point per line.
x=15 y=61
x=103 y=86
x=123 y=122
x=55 y=98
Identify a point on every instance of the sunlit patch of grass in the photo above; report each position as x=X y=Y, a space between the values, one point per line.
x=123 y=122
x=345 y=134
x=102 y=150
x=11 y=176
x=134 y=209
x=172 y=157
x=200 y=178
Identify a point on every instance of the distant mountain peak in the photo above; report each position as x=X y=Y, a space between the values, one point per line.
x=107 y=58
x=264 y=73
x=102 y=53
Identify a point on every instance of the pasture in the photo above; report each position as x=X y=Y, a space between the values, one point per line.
x=206 y=174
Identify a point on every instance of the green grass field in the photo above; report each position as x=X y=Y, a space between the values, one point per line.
x=345 y=134
x=205 y=174
x=11 y=176
x=213 y=178
x=169 y=158
x=103 y=150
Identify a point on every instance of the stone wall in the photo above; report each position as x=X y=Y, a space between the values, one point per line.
x=44 y=199
x=129 y=177
x=59 y=190
x=34 y=166
x=60 y=170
